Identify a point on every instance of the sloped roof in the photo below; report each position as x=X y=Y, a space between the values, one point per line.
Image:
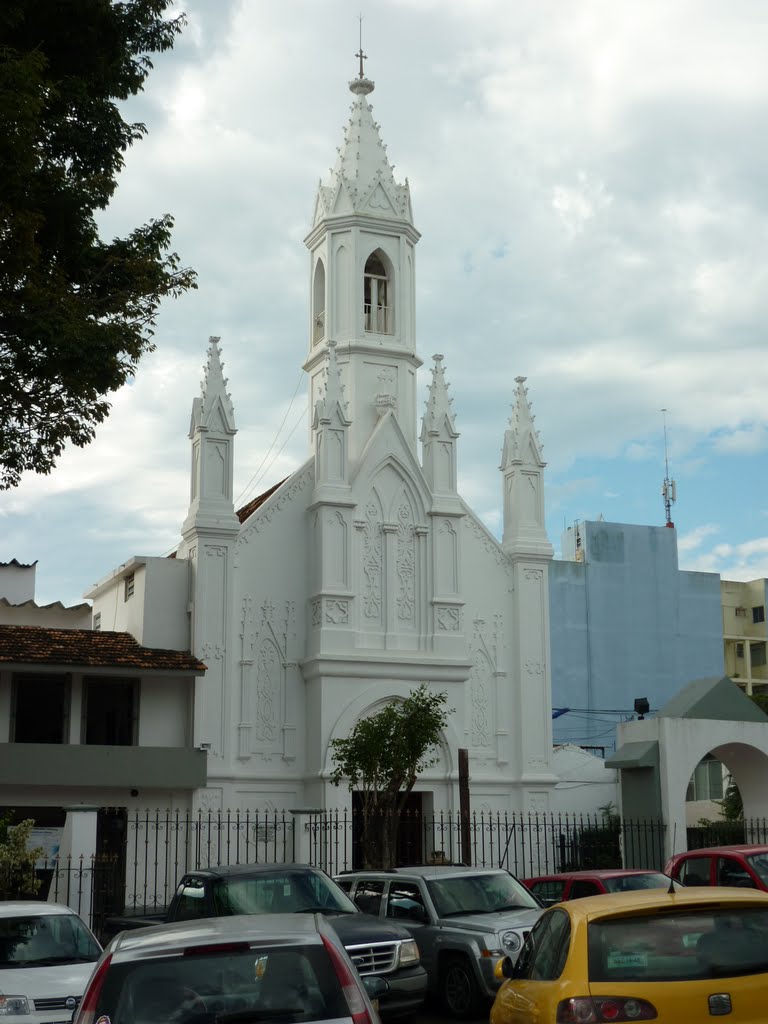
x=86 y=648
x=18 y=564
x=248 y=510
x=54 y=605
x=717 y=698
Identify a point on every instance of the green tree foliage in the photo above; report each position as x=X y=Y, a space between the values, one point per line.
x=76 y=313
x=382 y=759
x=17 y=863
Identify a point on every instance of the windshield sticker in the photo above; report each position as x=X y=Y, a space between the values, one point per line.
x=619 y=960
x=104 y=1020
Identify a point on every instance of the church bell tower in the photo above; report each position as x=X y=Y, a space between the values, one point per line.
x=362 y=281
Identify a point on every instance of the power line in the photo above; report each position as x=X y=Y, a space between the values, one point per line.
x=251 y=485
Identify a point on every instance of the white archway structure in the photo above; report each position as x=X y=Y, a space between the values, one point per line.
x=657 y=756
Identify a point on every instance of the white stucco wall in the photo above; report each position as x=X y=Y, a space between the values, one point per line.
x=156 y=614
x=586 y=786
x=165 y=712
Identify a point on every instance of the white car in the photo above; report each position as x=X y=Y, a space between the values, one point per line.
x=47 y=955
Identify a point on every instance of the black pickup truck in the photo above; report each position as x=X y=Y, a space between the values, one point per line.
x=376 y=946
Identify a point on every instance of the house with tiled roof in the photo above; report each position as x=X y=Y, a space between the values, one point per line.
x=90 y=721
x=363 y=574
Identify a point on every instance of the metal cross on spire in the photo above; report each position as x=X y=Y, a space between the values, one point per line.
x=360 y=53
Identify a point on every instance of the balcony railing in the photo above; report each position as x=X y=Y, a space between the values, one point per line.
x=378 y=319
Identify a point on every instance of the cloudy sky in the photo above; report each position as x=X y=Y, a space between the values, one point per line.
x=590 y=179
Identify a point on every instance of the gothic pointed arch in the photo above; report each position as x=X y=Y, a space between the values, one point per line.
x=379 y=293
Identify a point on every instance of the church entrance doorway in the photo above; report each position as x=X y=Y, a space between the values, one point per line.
x=410 y=838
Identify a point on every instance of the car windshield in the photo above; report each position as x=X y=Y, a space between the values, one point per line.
x=716 y=942
x=281 y=892
x=627 y=883
x=288 y=984
x=43 y=939
x=759 y=864
x=482 y=893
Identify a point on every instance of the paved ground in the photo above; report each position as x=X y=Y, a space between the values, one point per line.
x=432 y=1014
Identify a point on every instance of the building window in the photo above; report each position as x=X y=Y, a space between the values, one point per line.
x=97 y=622
x=109 y=712
x=129 y=583
x=377 y=308
x=707 y=781
x=40 y=709
x=739 y=650
x=758 y=613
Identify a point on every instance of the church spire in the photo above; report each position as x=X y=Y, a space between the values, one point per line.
x=438 y=434
x=522 y=467
x=362 y=180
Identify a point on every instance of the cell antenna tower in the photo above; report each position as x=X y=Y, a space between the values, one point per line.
x=668 y=488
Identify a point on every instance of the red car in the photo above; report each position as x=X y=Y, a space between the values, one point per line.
x=745 y=867
x=572 y=885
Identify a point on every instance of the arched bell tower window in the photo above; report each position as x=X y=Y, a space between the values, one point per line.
x=318 y=303
x=378 y=292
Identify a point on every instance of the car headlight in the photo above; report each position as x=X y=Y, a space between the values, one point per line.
x=512 y=941
x=409 y=952
x=13 y=1006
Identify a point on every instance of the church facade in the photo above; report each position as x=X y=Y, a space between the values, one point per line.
x=364 y=574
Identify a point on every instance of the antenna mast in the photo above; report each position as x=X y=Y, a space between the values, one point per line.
x=668 y=488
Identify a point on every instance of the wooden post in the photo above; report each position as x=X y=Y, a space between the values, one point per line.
x=466 y=846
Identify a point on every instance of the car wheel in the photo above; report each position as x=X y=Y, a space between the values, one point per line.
x=458 y=989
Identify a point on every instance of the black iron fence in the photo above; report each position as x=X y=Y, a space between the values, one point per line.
x=727 y=833
x=159 y=846
x=93 y=886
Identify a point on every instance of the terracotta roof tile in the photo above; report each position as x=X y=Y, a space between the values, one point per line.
x=248 y=510
x=86 y=648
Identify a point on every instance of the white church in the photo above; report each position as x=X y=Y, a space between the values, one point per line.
x=363 y=574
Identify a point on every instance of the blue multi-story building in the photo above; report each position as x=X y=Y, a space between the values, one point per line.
x=626 y=623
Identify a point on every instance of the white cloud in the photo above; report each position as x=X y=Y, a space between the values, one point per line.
x=600 y=167
x=693 y=540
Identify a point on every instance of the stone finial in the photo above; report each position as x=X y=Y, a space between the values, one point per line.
x=214 y=384
x=521 y=441
x=438 y=417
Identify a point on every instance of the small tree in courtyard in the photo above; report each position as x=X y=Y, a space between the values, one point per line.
x=17 y=862
x=382 y=759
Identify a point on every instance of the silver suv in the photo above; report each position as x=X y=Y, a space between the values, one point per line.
x=463 y=919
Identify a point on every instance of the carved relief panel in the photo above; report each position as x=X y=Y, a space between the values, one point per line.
x=484 y=680
x=268 y=641
x=405 y=565
x=372 y=566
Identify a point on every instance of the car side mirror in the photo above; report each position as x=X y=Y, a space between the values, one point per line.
x=504 y=968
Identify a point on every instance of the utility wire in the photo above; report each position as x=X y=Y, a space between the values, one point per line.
x=251 y=485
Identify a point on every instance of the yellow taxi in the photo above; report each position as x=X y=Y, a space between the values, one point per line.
x=682 y=957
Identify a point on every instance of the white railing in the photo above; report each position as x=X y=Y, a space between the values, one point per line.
x=378 y=319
